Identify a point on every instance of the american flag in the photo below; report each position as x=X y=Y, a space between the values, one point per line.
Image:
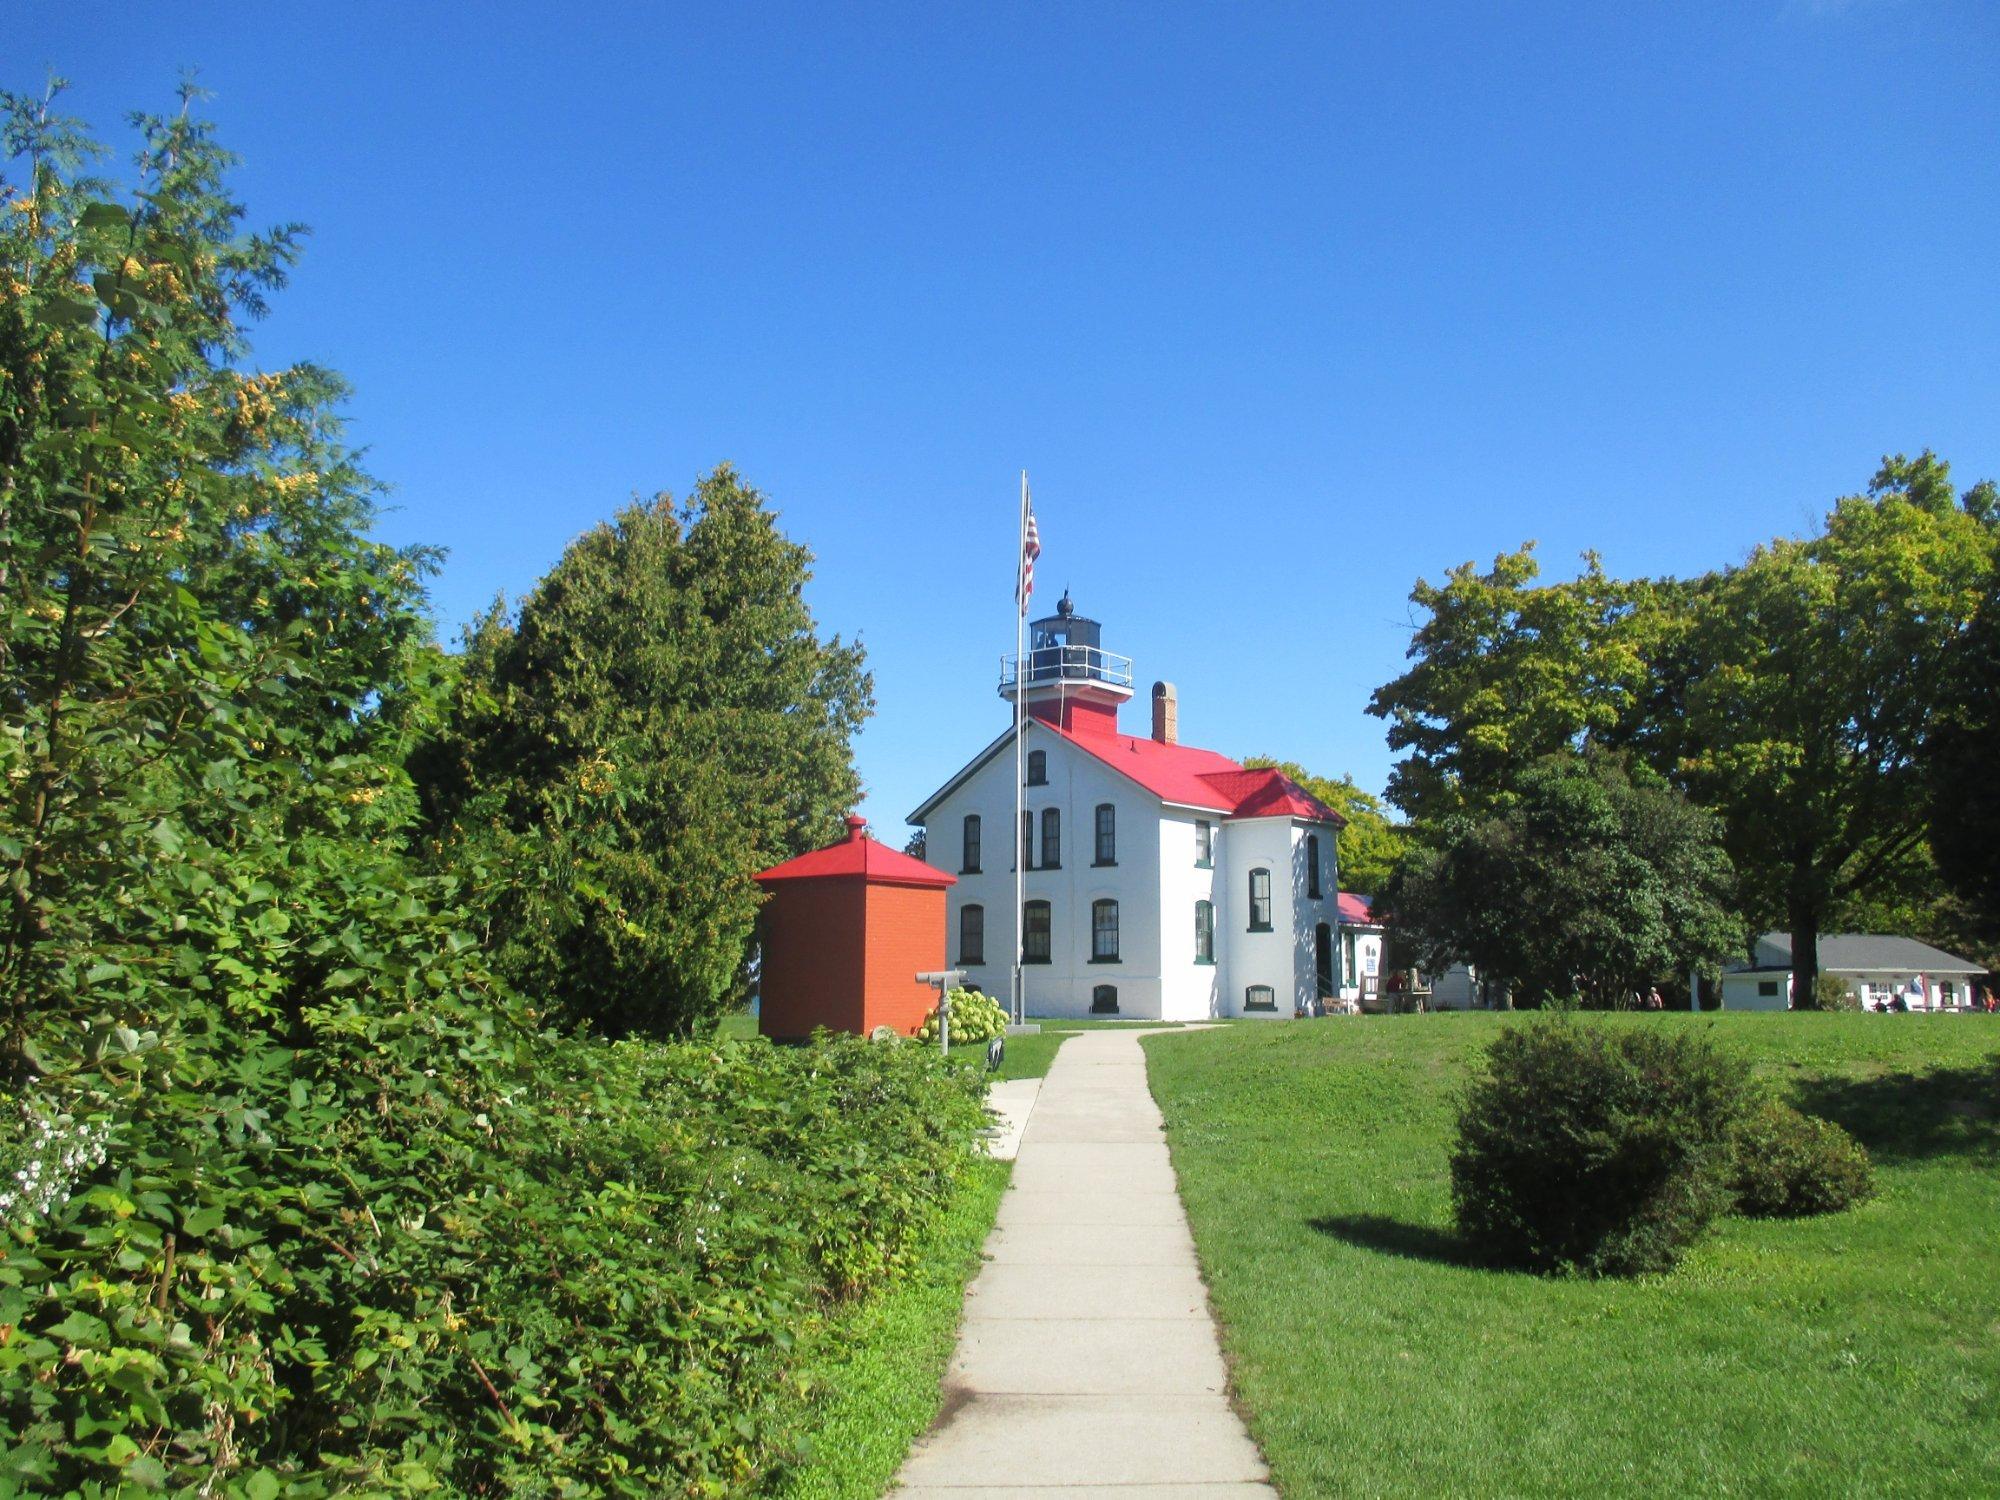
x=1031 y=548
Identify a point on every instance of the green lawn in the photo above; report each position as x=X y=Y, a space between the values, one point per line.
x=1853 y=1354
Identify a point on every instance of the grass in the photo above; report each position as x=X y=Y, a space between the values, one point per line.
x=738 y=1026
x=1852 y=1354
x=878 y=1369
x=1029 y=1054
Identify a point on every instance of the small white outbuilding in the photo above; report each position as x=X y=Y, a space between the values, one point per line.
x=1880 y=969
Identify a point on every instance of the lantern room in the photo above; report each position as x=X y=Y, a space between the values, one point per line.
x=845 y=930
x=1066 y=677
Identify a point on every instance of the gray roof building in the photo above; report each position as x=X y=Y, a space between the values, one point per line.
x=1861 y=953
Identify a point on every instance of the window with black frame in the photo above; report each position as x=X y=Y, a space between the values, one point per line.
x=1260 y=997
x=1051 y=839
x=1104 y=932
x=968 y=863
x=1035 y=933
x=1038 y=768
x=1204 y=844
x=1107 y=834
x=1204 y=932
x=1312 y=866
x=1260 y=900
x=972 y=935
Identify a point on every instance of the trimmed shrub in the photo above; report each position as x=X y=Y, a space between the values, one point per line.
x=1830 y=992
x=1786 y=1164
x=975 y=1017
x=1594 y=1149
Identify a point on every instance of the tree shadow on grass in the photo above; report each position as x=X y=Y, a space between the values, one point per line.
x=1387 y=1236
x=1907 y=1116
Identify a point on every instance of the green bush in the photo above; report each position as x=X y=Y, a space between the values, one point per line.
x=975 y=1017
x=572 y=1267
x=1830 y=992
x=1786 y=1164
x=1594 y=1149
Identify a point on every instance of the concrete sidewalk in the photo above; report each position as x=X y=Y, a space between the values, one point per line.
x=1088 y=1362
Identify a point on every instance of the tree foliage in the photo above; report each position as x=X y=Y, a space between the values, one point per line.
x=1592 y=882
x=295 y=1198
x=659 y=722
x=1822 y=698
x=1822 y=664
x=1370 y=844
x=1959 y=766
x=1507 y=671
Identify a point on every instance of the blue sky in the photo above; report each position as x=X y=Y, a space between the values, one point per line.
x=1280 y=306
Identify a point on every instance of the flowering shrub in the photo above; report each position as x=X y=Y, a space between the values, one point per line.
x=41 y=1165
x=975 y=1017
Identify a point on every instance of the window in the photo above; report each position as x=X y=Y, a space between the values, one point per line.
x=1104 y=1000
x=1051 y=839
x=968 y=863
x=1260 y=900
x=1024 y=842
x=972 y=934
x=1107 y=834
x=1204 y=844
x=1035 y=932
x=1768 y=988
x=1204 y=932
x=1038 y=768
x=1312 y=866
x=1260 y=997
x=1104 y=932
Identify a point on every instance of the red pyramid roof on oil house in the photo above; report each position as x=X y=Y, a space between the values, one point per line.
x=859 y=855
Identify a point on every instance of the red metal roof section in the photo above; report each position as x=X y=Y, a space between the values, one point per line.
x=1203 y=778
x=858 y=854
x=1357 y=911
x=1267 y=792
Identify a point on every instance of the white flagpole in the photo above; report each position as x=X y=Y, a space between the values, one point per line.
x=1020 y=683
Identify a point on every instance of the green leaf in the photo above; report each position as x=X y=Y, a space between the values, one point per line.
x=104 y=216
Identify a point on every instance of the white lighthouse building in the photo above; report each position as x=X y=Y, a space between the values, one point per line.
x=1161 y=881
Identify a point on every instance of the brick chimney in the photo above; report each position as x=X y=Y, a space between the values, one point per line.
x=1166 y=714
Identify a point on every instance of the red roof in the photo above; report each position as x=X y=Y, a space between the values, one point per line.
x=1356 y=911
x=857 y=854
x=1202 y=778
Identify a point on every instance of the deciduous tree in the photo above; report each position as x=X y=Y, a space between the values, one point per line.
x=1507 y=671
x=1822 y=664
x=1592 y=880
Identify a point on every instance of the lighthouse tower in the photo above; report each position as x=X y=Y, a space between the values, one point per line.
x=1067 y=678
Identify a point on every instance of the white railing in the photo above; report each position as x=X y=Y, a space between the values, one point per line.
x=1066 y=664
